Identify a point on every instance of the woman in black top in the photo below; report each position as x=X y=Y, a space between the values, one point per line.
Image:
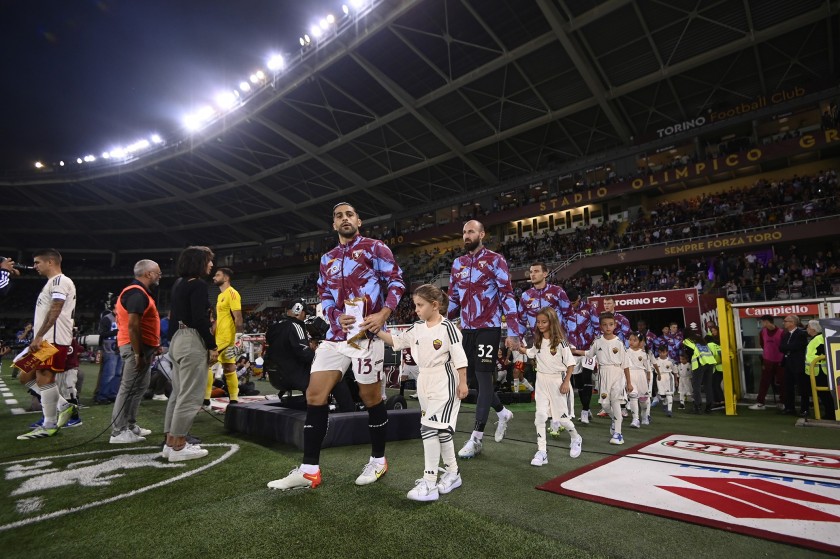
x=192 y=349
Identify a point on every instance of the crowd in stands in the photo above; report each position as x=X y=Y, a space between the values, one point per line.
x=764 y=203
x=560 y=245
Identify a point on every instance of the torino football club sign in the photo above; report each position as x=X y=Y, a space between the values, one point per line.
x=697 y=308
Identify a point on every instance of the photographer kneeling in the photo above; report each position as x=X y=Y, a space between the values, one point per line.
x=290 y=350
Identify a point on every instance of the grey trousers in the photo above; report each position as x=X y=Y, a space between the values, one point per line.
x=189 y=380
x=133 y=385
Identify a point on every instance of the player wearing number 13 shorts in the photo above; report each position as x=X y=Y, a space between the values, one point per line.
x=358 y=268
x=480 y=292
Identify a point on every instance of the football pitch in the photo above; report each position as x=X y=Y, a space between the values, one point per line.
x=76 y=495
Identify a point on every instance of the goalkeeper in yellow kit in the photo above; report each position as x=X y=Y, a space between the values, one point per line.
x=228 y=331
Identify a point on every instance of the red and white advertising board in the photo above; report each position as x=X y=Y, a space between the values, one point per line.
x=778 y=309
x=697 y=309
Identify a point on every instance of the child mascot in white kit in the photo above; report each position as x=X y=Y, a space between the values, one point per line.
x=441 y=385
x=666 y=372
x=554 y=395
x=614 y=381
x=638 y=362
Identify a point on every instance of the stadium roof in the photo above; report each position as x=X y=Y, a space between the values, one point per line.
x=420 y=102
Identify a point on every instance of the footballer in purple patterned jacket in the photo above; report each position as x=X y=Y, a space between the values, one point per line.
x=357 y=267
x=580 y=332
x=362 y=267
x=479 y=287
x=579 y=325
x=647 y=336
x=542 y=294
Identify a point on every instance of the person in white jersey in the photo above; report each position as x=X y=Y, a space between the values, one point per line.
x=441 y=385
x=53 y=324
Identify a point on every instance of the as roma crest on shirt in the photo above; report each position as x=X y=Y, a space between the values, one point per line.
x=615 y=350
x=437 y=344
x=357 y=254
x=553 y=350
x=482 y=264
x=640 y=358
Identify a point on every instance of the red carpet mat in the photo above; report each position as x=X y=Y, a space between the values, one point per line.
x=780 y=493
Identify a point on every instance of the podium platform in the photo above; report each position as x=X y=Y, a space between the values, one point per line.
x=274 y=422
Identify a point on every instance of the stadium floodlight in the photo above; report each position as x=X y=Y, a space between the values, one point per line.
x=39 y=165
x=357 y=4
x=156 y=139
x=138 y=145
x=192 y=122
x=330 y=19
x=275 y=63
x=225 y=100
x=89 y=158
x=254 y=79
x=323 y=24
x=61 y=163
x=307 y=38
x=79 y=160
x=106 y=155
x=302 y=42
x=316 y=31
x=117 y=153
x=345 y=9
x=260 y=75
x=245 y=86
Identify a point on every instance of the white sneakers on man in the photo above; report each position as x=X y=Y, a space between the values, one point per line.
x=189 y=452
x=126 y=437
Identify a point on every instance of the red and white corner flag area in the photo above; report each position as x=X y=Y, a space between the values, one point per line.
x=782 y=493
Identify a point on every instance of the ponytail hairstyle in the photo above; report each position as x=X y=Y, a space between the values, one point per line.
x=432 y=294
x=557 y=334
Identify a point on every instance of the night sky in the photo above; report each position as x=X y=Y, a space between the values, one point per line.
x=83 y=76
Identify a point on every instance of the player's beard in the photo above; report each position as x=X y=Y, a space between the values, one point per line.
x=348 y=231
x=470 y=246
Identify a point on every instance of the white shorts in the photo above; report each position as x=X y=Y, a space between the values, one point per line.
x=685 y=386
x=640 y=383
x=665 y=386
x=437 y=392
x=549 y=401
x=338 y=356
x=612 y=384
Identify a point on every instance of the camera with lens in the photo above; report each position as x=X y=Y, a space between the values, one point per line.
x=18 y=267
x=316 y=327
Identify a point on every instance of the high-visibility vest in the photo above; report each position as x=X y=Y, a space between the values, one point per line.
x=149 y=320
x=716 y=351
x=811 y=354
x=702 y=354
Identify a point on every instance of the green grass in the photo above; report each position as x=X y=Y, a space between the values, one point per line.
x=227 y=510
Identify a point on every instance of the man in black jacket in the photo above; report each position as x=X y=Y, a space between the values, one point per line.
x=793 y=345
x=290 y=352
